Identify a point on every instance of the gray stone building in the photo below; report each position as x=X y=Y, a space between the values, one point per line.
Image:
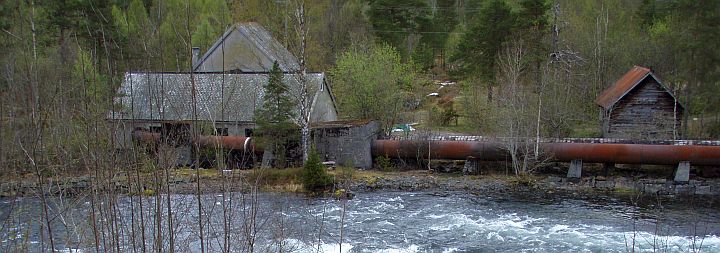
x=219 y=97
x=224 y=103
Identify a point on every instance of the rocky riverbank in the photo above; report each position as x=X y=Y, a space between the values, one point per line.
x=416 y=181
x=211 y=181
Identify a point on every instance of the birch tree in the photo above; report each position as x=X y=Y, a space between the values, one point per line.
x=304 y=99
x=517 y=107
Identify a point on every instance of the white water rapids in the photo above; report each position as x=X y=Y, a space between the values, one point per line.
x=379 y=222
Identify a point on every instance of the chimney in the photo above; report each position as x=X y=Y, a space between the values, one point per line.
x=195 y=56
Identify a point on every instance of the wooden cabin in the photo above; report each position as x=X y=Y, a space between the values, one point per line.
x=639 y=106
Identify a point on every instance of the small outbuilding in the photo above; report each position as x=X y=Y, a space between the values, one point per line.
x=640 y=106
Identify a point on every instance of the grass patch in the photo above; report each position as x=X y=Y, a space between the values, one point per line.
x=625 y=191
x=585 y=130
x=276 y=178
x=188 y=172
x=524 y=179
x=343 y=174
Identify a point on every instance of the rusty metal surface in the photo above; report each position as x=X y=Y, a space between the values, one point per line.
x=240 y=143
x=227 y=142
x=562 y=152
x=145 y=137
x=454 y=137
x=634 y=153
x=622 y=86
x=493 y=151
x=454 y=150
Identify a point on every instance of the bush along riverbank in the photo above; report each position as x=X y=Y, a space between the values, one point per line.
x=344 y=180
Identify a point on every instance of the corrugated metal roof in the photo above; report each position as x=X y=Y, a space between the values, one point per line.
x=246 y=47
x=623 y=85
x=219 y=97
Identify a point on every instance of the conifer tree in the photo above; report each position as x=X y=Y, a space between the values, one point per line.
x=274 y=118
x=314 y=177
x=479 y=47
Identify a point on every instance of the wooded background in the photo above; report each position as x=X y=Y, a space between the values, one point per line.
x=63 y=60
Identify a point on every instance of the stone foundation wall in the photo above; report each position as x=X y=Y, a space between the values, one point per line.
x=346 y=143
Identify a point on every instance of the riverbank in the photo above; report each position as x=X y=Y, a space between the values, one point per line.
x=184 y=181
x=424 y=180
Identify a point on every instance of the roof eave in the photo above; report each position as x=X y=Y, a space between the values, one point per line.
x=632 y=87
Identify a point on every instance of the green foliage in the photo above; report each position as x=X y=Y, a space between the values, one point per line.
x=344 y=174
x=373 y=83
x=85 y=75
x=133 y=23
x=479 y=47
x=274 y=118
x=442 y=115
x=398 y=21
x=533 y=14
x=447 y=114
x=384 y=163
x=423 y=56
x=648 y=12
x=276 y=177
x=63 y=58
x=205 y=34
x=278 y=106
x=314 y=176
x=166 y=38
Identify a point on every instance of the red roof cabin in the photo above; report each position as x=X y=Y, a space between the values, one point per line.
x=638 y=106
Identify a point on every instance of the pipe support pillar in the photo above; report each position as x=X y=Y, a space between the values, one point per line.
x=471 y=166
x=682 y=173
x=575 y=170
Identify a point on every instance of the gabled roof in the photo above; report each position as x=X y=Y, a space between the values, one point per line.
x=219 y=97
x=246 y=47
x=625 y=84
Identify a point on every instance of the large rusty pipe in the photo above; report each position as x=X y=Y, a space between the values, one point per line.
x=227 y=142
x=452 y=150
x=145 y=137
x=239 y=143
x=634 y=153
x=562 y=152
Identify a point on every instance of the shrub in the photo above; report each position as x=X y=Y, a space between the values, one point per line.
x=314 y=177
x=384 y=163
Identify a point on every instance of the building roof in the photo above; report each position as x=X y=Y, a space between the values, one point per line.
x=246 y=47
x=219 y=97
x=625 y=84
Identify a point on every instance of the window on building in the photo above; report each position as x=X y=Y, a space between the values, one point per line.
x=223 y=131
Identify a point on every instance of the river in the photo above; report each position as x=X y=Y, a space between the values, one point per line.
x=371 y=222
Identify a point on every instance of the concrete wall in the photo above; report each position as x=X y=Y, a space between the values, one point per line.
x=346 y=143
x=323 y=108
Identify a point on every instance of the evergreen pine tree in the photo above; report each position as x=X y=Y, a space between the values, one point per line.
x=274 y=118
x=314 y=176
x=479 y=47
